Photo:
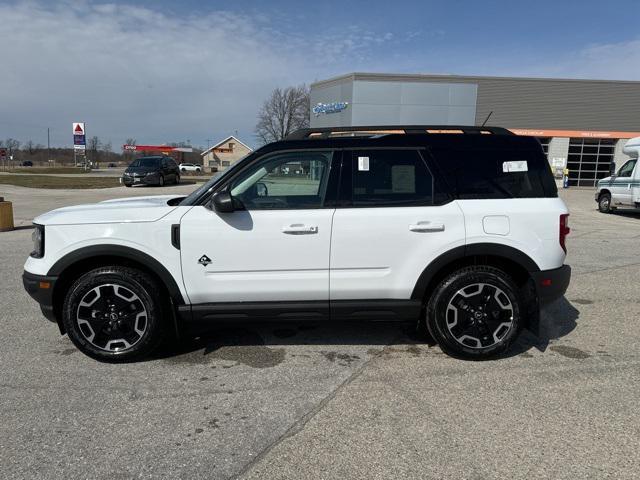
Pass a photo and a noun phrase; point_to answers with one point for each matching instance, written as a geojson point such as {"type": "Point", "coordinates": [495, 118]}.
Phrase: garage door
{"type": "Point", "coordinates": [589, 160]}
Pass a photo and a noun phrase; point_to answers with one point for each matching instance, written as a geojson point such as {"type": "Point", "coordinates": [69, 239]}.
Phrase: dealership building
{"type": "Point", "coordinates": [582, 124]}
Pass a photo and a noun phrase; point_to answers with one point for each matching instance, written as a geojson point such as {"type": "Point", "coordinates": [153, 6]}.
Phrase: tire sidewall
{"type": "Point", "coordinates": [602, 208]}
{"type": "Point", "coordinates": [132, 280]}
{"type": "Point", "coordinates": [436, 311]}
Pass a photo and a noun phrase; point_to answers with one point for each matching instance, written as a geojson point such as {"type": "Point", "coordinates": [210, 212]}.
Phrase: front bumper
{"type": "Point", "coordinates": [552, 284]}
{"type": "Point", "coordinates": [40, 287]}
{"type": "Point", "coordinates": [146, 180]}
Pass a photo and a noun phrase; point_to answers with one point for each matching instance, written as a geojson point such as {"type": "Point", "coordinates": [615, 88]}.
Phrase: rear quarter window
{"type": "Point", "coordinates": [495, 173]}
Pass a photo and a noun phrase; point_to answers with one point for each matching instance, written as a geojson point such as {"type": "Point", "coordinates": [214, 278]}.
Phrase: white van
{"type": "Point", "coordinates": [622, 189]}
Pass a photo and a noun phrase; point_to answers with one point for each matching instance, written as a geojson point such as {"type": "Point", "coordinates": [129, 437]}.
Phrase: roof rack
{"type": "Point", "coordinates": [377, 130]}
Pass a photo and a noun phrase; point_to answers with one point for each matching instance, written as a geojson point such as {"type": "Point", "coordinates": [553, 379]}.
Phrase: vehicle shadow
{"type": "Point", "coordinates": [557, 320]}
{"type": "Point", "coordinates": [216, 342]}
{"type": "Point", "coordinates": [242, 342]}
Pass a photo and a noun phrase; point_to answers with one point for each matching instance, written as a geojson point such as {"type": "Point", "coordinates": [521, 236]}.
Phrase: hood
{"type": "Point", "coordinates": [123, 210]}
{"type": "Point", "coordinates": [602, 181]}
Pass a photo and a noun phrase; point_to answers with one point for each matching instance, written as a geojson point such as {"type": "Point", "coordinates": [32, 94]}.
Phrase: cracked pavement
{"type": "Point", "coordinates": [299, 400]}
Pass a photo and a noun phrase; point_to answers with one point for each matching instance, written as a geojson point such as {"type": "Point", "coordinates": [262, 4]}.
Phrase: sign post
{"type": "Point", "coordinates": [79, 143]}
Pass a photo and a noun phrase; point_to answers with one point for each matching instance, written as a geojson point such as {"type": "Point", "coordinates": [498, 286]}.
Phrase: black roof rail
{"type": "Point", "coordinates": [327, 132]}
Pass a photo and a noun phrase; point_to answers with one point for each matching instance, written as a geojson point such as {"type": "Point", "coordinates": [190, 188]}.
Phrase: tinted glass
{"type": "Point", "coordinates": [390, 178]}
{"type": "Point", "coordinates": [495, 173]}
{"type": "Point", "coordinates": [146, 162]}
{"type": "Point", "coordinates": [627, 169]}
{"type": "Point", "coordinates": [285, 181]}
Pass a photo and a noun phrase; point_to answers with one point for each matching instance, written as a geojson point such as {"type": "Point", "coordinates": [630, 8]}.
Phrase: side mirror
{"type": "Point", "coordinates": [222, 202]}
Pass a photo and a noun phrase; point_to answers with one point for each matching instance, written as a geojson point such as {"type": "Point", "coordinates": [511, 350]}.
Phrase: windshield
{"type": "Point", "coordinates": [145, 162]}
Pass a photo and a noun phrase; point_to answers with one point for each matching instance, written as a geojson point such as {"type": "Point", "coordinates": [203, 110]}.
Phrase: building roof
{"type": "Point", "coordinates": [230, 137]}
{"type": "Point", "coordinates": [422, 77]}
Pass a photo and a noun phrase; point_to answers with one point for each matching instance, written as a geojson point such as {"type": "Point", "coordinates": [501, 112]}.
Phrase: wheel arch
{"type": "Point", "coordinates": [515, 262]}
{"type": "Point", "coordinates": [67, 269]}
{"type": "Point", "coordinates": [603, 191]}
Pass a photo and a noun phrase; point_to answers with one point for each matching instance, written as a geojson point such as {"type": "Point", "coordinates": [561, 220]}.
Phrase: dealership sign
{"type": "Point", "coordinates": [333, 107]}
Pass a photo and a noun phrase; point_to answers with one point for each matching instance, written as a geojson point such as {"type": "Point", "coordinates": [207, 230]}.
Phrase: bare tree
{"type": "Point", "coordinates": [29, 146]}
{"type": "Point", "coordinates": [93, 145]}
{"type": "Point", "coordinates": [282, 113]}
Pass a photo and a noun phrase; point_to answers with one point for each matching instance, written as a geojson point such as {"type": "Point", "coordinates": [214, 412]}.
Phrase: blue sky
{"type": "Point", "coordinates": [163, 71]}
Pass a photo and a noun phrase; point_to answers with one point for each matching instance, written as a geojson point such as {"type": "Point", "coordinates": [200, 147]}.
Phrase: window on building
{"type": "Point", "coordinates": [231, 146]}
{"type": "Point", "coordinates": [226, 163]}
{"type": "Point", "coordinates": [545, 141]}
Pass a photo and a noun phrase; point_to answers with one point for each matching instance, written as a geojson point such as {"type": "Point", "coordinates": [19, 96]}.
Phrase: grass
{"type": "Point", "coordinates": [43, 181]}
{"type": "Point", "coordinates": [38, 170]}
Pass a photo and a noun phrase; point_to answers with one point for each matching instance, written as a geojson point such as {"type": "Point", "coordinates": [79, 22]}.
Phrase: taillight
{"type": "Point", "coordinates": [564, 230]}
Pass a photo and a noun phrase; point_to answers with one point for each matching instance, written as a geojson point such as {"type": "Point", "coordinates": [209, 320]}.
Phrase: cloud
{"type": "Point", "coordinates": [129, 71]}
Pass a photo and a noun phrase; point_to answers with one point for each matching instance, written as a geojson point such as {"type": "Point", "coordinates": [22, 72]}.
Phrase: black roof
{"type": "Point", "coordinates": [377, 130]}
{"type": "Point", "coordinates": [403, 136]}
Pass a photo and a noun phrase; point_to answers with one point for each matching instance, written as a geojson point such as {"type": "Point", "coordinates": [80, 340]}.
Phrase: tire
{"type": "Point", "coordinates": [198, 170]}
{"type": "Point", "coordinates": [474, 313]}
{"type": "Point", "coordinates": [177, 180]}
{"type": "Point", "coordinates": [128, 186]}
{"type": "Point", "coordinates": [161, 181]}
{"type": "Point", "coordinates": [604, 203]}
{"type": "Point", "coordinates": [183, 170]}
{"type": "Point", "coordinates": [96, 317]}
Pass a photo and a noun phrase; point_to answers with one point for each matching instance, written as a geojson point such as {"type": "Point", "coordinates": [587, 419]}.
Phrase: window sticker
{"type": "Point", "coordinates": [516, 166]}
{"type": "Point", "coordinates": [403, 179]}
{"type": "Point", "coordinates": [363, 164]}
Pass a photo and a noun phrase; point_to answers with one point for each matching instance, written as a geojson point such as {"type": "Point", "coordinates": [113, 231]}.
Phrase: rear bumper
{"type": "Point", "coordinates": [40, 287]}
{"type": "Point", "coordinates": [552, 284]}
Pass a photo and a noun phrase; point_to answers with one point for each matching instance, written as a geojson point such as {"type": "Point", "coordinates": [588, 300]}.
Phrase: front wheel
{"type": "Point", "coordinates": [604, 203]}
{"type": "Point", "coordinates": [114, 314]}
{"type": "Point", "coordinates": [475, 312]}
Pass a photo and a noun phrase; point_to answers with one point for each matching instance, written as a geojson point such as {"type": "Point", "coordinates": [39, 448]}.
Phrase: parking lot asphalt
{"type": "Point", "coordinates": [302, 401]}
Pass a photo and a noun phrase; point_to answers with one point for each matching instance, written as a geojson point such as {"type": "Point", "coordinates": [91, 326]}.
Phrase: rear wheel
{"type": "Point", "coordinates": [114, 314]}
{"type": "Point", "coordinates": [475, 312]}
{"type": "Point", "coordinates": [177, 181]}
{"type": "Point", "coordinates": [161, 181]}
{"type": "Point", "coordinates": [604, 203]}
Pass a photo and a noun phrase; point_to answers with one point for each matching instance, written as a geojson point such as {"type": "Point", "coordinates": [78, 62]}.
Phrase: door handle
{"type": "Point", "coordinates": [299, 229]}
{"type": "Point", "coordinates": [426, 227]}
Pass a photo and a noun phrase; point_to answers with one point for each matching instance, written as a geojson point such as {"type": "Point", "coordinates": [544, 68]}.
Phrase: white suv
{"type": "Point", "coordinates": [190, 167]}
{"type": "Point", "coordinates": [456, 228]}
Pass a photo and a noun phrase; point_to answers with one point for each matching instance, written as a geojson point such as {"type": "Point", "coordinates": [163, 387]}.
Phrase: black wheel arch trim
{"type": "Point", "coordinates": [124, 252]}
{"type": "Point", "coordinates": [471, 250]}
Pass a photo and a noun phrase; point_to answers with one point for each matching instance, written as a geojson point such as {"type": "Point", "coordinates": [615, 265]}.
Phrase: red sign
{"type": "Point", "coordinates": [3, 153]}
{"type": "Point", "coordinates": [157, 148]}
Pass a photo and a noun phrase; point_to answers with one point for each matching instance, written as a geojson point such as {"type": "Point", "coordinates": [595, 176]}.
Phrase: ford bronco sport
{"type": "Point", "coordinates": [459, 229]}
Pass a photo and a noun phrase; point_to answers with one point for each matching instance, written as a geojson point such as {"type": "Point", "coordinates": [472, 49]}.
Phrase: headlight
{"type": "Point", "coordinates": [38, 241]}
{"type": "Point", "coordinates": [127, 174]}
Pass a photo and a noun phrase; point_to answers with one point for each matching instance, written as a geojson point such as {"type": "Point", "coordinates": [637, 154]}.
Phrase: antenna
{"type": "Point", "coordinates": [485, 120]}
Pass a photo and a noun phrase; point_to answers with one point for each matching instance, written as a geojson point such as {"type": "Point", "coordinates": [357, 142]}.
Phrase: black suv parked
{"type": "Point", "coordinates": [151, 171]}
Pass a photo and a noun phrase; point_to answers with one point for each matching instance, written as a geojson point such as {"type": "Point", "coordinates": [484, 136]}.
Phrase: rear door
{"type": "Point", "coordinates": [388, 228]}
{"type": "Point", "coordinates": [276, 247]}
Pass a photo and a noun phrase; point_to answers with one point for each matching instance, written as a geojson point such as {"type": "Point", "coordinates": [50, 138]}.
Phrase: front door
{"type": "Point", "coordinates": [391, 229]}
{"type": "Point", "coordinates": [275, 246]}
{"type": "Point", "coordinates": [622, 184]}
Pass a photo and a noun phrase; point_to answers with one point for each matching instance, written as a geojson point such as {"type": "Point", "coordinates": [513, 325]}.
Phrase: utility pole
{"type": "Point", "coordinates": [48, 147]}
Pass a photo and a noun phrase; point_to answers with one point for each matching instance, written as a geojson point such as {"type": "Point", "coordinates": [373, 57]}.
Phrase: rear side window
{"type": "Point", "coordinates": [390, 178]}
{"type": "Point", "coordinates": [495, 173]}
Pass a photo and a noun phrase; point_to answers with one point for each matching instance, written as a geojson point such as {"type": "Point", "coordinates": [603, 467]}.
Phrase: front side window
{"type": "Point", "coordinates": [390, 178]}
{"type": "Point", "coordinates": [627, 169]}
{"type": "Point", "coordinates": [284, 181]}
